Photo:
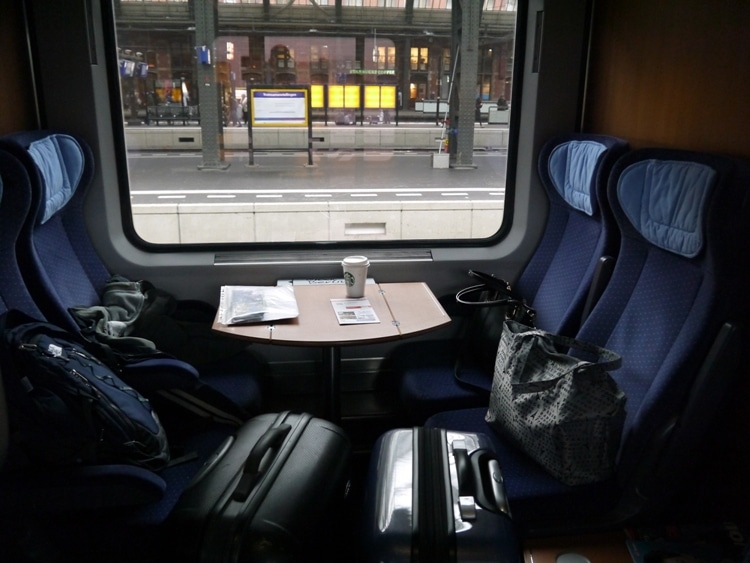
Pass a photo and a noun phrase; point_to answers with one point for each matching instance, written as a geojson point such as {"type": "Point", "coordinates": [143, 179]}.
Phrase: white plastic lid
{"type": "Point", "coordinates": [355, 261]}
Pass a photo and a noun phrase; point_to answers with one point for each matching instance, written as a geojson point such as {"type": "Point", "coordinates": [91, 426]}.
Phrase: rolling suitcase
{"type": "Point", "coordinates": [437, 496]}
{"type": "Point", "coordinates": [273, 493]}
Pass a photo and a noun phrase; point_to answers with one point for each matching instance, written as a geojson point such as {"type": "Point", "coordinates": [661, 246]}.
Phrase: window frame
{"type": "Point", "coordinates": [134, 238]}
{"type": "Point", "coordinates": [79, 98]}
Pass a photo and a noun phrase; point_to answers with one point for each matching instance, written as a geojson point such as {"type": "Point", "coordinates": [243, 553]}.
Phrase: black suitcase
{"type": "Point", "coordinates": [437, 496]}
{"type": "Point", "coordinates": [273, 493]}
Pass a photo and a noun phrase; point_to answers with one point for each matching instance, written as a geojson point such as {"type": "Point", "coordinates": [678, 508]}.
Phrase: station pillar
{"type": "Point", "coordinates": [209, 103]}
{"type": "Point", "coordinates": [466, 30]}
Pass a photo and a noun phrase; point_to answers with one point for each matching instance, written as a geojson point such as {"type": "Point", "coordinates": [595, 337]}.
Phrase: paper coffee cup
{"type": "Point", "coordinates": [355, 275]}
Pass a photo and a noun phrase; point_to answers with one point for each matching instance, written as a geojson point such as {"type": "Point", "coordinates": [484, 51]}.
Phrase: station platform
{"type": "Point", "coordinates": [346, 195]}
{"type": "Point", "coordinates": [404, 136]}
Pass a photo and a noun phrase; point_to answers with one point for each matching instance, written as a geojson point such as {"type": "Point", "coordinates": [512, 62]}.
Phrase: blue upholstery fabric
{"type": "Point", "coordinates": [127, 524]}
{"type": "Point", "coordinates": [571, 167]}
{"type": "Point", "coordinates": [115, 530]}
{"type": "Point", "coordinates": [557, 279]}
{"type": "Point", "coordinates": [87, 509]}
{"type": "Point", "coordinates": [29, 490]}
{"type": "Point", "coordinates": [57, 255]}
{"type": "Point", "coordinates": [24, 488]}
{"type": "Point", "coordinates": [59, 262]}
{"type": "Point", "coordinates": [60, 162]}
{"type": "Point", "coordinates": [14, 207]}
{"type": "Point", "coordinates": [670, 218]}
{"type": "Point", "coordinates": [661, 311]}
{"type": "Point", "coordinates": [534, 495]}
{"type": "Point", "coordinates": [580, 229]}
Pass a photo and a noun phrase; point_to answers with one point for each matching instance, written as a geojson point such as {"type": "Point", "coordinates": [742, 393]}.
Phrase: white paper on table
{"type": "Point", "coordinates": [354, 311]}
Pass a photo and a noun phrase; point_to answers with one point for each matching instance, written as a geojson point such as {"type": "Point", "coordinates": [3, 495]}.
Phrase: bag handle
{"type": "Point", "coordinates": [612, 360]}
{"type": "Point", "coordinates": [499, 289]}
{"type": "Point", "coordinates": [500, 295]}
{"type": "Point", "coordinates": [272, 439]}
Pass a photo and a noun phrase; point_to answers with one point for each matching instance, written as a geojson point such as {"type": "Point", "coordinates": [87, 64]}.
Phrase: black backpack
{"type": "Point", "coordinates": [66, 407]}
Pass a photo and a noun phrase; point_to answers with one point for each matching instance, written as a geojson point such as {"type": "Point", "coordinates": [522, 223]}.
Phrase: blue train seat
{"type": "Point", "coordinates": [672, 309]}
{"type": "Point", "coordinates": [54, 511]}
{"type": "Point", "coordinates": [62, 269]}
{"type": "Point", "coordinates": [579, 231]}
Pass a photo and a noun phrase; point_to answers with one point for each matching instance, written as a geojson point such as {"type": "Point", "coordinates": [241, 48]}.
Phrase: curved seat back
{"type": "Point", "coordinates": [557, 281]}
{"type": "Point", "coordinates": [670, 310]}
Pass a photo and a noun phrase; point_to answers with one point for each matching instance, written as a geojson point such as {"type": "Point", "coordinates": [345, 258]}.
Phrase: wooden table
{"type": "Point", "coordinates": [404, 310]}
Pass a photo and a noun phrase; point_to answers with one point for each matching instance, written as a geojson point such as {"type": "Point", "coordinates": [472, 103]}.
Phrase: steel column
{"type": "Point", "coordinates": [470, 13]}
{"type": "Point", "coordinates": [212, 127]}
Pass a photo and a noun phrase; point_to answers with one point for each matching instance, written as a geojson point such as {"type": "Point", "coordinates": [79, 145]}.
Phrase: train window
{"type": "Point", "coordinates": [265, 123]}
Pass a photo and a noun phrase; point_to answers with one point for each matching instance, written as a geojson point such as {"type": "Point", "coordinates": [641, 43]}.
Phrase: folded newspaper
{"type": "Point", "coordinates": [241, 304]}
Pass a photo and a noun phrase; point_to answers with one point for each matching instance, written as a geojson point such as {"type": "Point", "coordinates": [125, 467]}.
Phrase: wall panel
{"type": "Point", "coordinates": [673, 73]}
{"type": "Point", "coordinates": [17, 107]}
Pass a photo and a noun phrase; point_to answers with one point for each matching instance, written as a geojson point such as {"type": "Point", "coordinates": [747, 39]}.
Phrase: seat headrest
{"type": "Point", "coordinates": [60, 160]}
{"type": "Point", "coordinates": [666, 201]}
{"type": "Point", "coordinates": [572, 169]}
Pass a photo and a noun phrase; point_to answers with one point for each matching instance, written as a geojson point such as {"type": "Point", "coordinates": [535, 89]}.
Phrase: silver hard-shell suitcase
{"type": "Point", "coordinates": [437, 496]}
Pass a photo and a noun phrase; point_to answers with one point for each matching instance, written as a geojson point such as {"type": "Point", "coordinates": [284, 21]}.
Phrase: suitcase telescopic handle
{"type": "Point", "coordinates": [498, 488]}
{"type": "Point", "coordinates": [479, 477]}
{"type": "Point", "coordinates": [251, 470]}
{"type": "Point", "coordinates": [463, 469]}
{"type": "Point", "coordinates": [490, 490]}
